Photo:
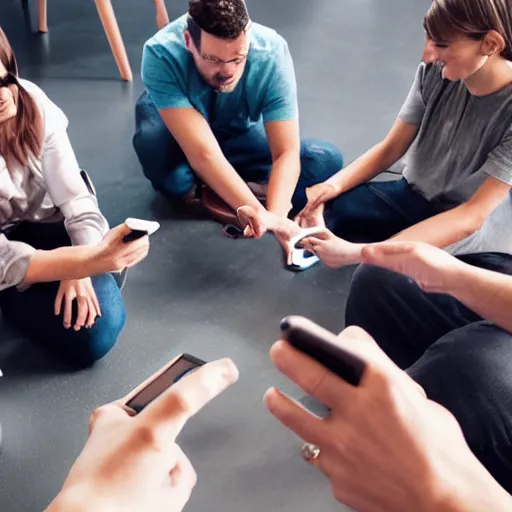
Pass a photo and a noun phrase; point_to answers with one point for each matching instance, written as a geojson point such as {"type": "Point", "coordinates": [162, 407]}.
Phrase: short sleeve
{"type": "Point", "coordinates": [499, 161]}
{"type": "Point", "coordinates": [413, 109]}
{"type": "Point", "coordinates": [280, 102]}
{"type": "Point", "coordinates": [161, 81]}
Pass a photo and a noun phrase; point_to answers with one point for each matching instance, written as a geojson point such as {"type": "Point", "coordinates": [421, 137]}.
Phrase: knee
{"type": "Point", "coordinates": [90, 345]}
{"type": "Point", "coordinates": [368, 292]}
{"type": "Point", "coordinates": [179, 181]}
{"type": "Point", "coordinates": [468, 372]}
{"type": "Point", "coordinates": [322, 157]}
{"type": "Point", "coordinates": [151, 136]}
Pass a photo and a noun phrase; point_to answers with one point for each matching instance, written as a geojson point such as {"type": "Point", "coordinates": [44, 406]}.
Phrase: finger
{"type": "Point", "coordinates": [183, 480]}
{"type": "Point", "coordinates": [57, 306]}
{"type": "Point", "coordinates": [183, 474]}
{"type": "Point", "coordinates": [95, 301]}
{"type": "Point", "coordinates": [106, 414]}
{"type": "Point", "coordinates": [83, 311]}
{"type": "Point", "coordinates": [309, 375]}
{"type": "Point", "coordinates": [68, 308]}
{"type": "Point", "coordinates": [361, 343]}
{"type": "Point", "coordinates": [135, 258]}
{"type": "Point", "coordinates": [294, 417]}
{"type": "Point", "coordinates": [93, 313]}
{"type": "Point", "coordinates": [173, 408]}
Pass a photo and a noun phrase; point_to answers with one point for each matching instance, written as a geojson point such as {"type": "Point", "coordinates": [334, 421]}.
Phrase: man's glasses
{"type": "Point", "coordinates": [8, 79]}
{"type": "Point", "coordinates": [217, 62]}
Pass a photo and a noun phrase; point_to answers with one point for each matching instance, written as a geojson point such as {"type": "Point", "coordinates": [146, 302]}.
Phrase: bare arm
{"type": "Point", "coordinates": [489, 294]}
{"type": "Point", "coordinates": [284, 141]}
{"type": "Point", "coordinates": [454, 225]}
{"type": "Point", "coordinates": [205, 156]}
{"type": "Point", "coordinates": [376, 160]}
{"type": "Point", "coordinates": [61, 264]}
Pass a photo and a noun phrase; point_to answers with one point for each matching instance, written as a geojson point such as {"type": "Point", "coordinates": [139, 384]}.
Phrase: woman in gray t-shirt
{"type": "Point", "coordinates": [455, 131]}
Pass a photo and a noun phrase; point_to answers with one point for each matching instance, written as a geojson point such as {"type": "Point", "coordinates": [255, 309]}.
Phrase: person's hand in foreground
{"type": "Point", "coordinates": [384, 446]}
{"type": "Point", "coordinates": [132, 463]}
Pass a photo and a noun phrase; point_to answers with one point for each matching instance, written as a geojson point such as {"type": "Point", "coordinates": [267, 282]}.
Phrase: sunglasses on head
{"type": "Point", "coordinates": [8, 79]}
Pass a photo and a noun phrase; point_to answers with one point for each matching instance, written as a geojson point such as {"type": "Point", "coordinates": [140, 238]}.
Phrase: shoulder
{"type": "Point", "coordinates": [267, 46]}
{"type": "Point", "coordinates": [169, 42]}
{"type": "Point", "coordinates": [53, 117]}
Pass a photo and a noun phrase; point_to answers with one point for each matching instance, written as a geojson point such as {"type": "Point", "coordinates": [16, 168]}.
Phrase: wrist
{"type": "Point", "coordinates": [456, 279]}
{"type": "Point", "coordinates": [356, 254]}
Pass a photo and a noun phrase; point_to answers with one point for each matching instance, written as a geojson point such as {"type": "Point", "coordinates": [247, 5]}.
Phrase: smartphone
{"type": "Point", "coordinates": [295, 241]}
{"type": "Point", "coordinates": [139, 228]}
{"type": "Point", "coordinates": [160, 381]}
{"type": "Point", "coordinates": [321, 345]}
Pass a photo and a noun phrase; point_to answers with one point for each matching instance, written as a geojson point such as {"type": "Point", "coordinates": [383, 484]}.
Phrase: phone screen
{"type": "Point", "coordinates": [183, 366]}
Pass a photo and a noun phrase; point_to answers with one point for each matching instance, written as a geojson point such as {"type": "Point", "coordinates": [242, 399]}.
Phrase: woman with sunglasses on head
{"type": "Point", "coordinates": [46, 205]}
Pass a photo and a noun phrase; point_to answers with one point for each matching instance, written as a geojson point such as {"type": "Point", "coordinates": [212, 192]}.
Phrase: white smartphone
{"type": "Point", "coordinates": [302, 259]}
{"type": "Point", "coordinates": [140, 228]}
{"type": "Point", "coordinates": [294, 241]}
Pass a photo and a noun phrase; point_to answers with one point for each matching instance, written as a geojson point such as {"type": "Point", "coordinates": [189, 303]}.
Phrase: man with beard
{"type": "Point", "coordinates": [220, 108]}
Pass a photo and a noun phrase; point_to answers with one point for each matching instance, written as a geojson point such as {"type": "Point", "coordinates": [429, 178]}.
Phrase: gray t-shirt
{"type": "Point", "coordinates": [462, 140]}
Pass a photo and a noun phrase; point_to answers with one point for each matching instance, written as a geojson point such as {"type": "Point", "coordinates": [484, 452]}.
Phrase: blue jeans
{"type": "Point", "coordinates": [375, 211]}
{"type": "Point", "coordinates": [461, 360]}
{"type": "Point", "coordinates": [164, 164]}
{"type": "Point", "coordinates": [32, 313]}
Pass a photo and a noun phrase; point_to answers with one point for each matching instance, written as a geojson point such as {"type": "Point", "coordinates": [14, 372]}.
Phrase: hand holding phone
{"type": "Point", "coordinates": [322, 346]}
{"type": "Point", "coordinates": [161, 380]}
{"type": "Point", "coordinates": [140, 228]}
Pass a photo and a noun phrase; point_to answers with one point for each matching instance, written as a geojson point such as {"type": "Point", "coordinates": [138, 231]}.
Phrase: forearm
{"type": "Point", "coordinates": [62, 264]}
{"type": "Point", "coordinates": [366, 167]}
{"type": "Point", "coordinates": [443, 229]}
{"type": "Point", "coordinates": [487, 293]}
{"type": "Point", "coordinates": [223, 179]}
{"type": "Point", "coordinates": [283, 181]}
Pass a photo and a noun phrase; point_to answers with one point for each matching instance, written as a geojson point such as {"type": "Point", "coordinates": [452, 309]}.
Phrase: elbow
{"type": "Point", "coordinates": [203, 159]}
{"type": "Point", "coordinates": [472, 221]}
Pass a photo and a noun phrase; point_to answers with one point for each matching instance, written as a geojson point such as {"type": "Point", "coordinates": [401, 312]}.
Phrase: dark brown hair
{"type": "Point", "coordinates": [226, 19]}
{"type": "Point", "coordinates": [22, 136]}
{"type": "Point", "coordinates": [471, 18]}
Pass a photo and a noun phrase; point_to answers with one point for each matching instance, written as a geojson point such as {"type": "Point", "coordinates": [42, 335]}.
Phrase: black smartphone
{"type": "Point", "coordinates": [321, 345]}
{"type": "Point", "coordinates": [160, 381]}
{"type": "Point", "coordinates": [134, 235]}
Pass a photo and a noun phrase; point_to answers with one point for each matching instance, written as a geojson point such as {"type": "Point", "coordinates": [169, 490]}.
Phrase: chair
{"type": "Point", "coordinates": [109, 22]}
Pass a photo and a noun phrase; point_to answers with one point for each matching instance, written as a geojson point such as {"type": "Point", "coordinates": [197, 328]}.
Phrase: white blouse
{"type": "Point", "coordinates": [49, 189]}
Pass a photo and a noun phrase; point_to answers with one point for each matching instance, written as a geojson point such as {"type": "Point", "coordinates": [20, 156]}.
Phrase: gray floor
{"type": "Point", "coordinates": [197, 291]}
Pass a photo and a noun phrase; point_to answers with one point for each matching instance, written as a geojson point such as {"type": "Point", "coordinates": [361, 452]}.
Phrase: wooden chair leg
{"type": "Point", "coordinates": [108, 19]}
{"type": "Point", "coordinates": [42, 16]}
{"type": "Point", "coordinates": [162, 18]}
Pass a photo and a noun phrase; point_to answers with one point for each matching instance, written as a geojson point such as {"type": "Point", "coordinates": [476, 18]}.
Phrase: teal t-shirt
{"type": "Point", "coordinates": [267, 89]}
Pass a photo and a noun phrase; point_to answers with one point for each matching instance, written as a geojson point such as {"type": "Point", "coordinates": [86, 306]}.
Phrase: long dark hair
{"type": "Point", "coordinates": [22, 136]}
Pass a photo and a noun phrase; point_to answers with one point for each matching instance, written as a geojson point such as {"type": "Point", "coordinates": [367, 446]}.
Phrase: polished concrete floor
{"type": "Point", "coordinates": [197, 291]}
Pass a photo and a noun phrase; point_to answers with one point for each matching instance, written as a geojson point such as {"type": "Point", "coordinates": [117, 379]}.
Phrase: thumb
{"type": "Point", "coordinates": [117, 233]}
